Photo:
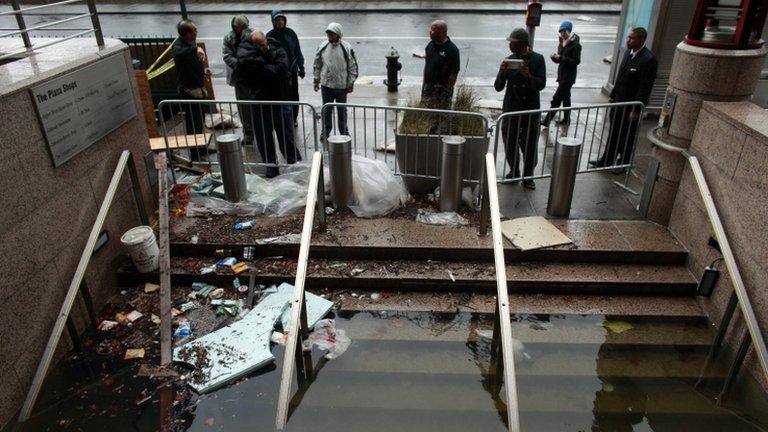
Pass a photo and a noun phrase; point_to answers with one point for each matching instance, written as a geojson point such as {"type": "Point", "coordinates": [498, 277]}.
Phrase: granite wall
{"type": "Point", "coordinates": [48, 213]}
{"type": "Point", "coordinates": [731, 143]}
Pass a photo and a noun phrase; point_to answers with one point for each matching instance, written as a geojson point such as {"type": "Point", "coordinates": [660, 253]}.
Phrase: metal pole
{"type": "Point", "coordinates": [340, 169]}
{"type": "Point", "coordinates": [95, 22]}
{"type": "Point", "coordinates": [166, 349]}
{"type": "Point", "coordinates": [714, 351]}
{"type": "Point", "coordinates": [733, 372]}
{"type": "Point", "coordinates": [231, 165]}
{"type": "Point", "coordinates": [136, 188]}
{"type": "Point", "coordinates": [21, 24]}
{"type": "Point", "coordinates": [564, 168]}
{"type": "Point", "coordinates": [183, 7]}
{"type": "Point", "coordinates": [451, 173]}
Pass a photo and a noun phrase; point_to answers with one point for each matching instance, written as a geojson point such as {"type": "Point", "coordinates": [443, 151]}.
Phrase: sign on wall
{"type": "Point", "coordinates": [78, 109]}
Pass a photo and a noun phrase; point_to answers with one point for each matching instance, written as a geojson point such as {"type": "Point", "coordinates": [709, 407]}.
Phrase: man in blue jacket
{"type": "Point", "coordinates": [524, 75]}
{"type": "Point", "coordinates": [290, 43]}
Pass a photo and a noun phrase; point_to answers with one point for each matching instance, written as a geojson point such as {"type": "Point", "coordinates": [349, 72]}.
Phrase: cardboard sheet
{"type": "Point", "coordinates": [533, 232]}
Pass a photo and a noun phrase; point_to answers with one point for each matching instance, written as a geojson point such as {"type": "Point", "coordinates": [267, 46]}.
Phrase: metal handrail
{"type": "Point", "coordinates": [126, 160]}
{"type": "Point", "coordinates": [44, 25]}
{"type": "Point", "coordinates": [315, 202]}
{"type": "Point", "coordinates": [25, 10]}
{"type": "Point", "coordinates": [730, 260]}
{"type": "Point", "coordinates": [502, 296]}
{"type": "Point", "coordinates": [45, 45]}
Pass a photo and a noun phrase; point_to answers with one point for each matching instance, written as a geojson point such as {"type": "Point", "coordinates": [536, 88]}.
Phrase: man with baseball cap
{"type": "Point", "coordinates": [524, 75]}
{"type": "Point", "coordinates": [567, 57]}
{"type": "Point", "coordinates": [335, 71]}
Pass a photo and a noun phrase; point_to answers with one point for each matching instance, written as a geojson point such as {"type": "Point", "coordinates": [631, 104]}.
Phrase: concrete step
{"type": "Point", "coordinates": [370, 275]}
{"type": "Point", "coordinates": [637, 242]}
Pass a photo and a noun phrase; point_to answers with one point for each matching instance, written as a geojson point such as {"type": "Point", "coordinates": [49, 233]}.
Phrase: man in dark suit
{"type": "Point", "coordinates": [633, 83]}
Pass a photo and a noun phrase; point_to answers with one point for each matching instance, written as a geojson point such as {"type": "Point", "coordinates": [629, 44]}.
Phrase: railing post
{"type": "Point", "coordinates": [88, 300]}
{"type": "Point", "coordinates": [22, 25]}
{"type": "Point", "coordinates": [95, 22]}
{"type": "Point", "coordinates": [733, 372]}
{"type": "Point", "coordinates": [136, 188]}
{"type": "Point", "coordinates": [322, 225]}
{"type": "Point", "coordinates": [714, 350]}
{"type": "Point", "coordinates": [485, 209]}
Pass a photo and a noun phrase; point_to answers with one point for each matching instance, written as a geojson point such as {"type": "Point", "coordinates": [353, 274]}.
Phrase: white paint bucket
{"type": "Point", "coordinates": [141, 245]}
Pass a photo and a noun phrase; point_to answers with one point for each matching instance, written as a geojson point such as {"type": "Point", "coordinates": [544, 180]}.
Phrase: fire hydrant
{"type": "Point", "coordinates": [393, 67]}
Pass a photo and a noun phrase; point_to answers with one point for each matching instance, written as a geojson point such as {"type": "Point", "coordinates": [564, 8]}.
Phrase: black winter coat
{"type": "Point", "coordinates": [570, 57]}
{"type": "Point", "coordinates": [265, 74]}
{"type": "Point", "coordinates": [290, 43]}
{"type": "Point", "coordinates": [635, 78]}
{"type": "Point", "coordinates": [523, 92]}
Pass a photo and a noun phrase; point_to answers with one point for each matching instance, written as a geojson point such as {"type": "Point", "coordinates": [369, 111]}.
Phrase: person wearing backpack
{"type": "Point", "coordinates": [335, 72]}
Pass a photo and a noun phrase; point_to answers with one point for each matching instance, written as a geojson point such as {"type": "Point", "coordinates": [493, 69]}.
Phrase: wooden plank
{"type": "Point", "coordinates": [179, 142]}
{"type": "Point", "coordinates": [165, 261]}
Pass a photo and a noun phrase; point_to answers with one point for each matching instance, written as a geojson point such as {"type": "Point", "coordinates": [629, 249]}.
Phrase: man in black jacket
{"type": "Point", "coordinates": [567, 57]}
{"type": "Point", "coordinates": [634, 82]}
{"type": "Point", "coordinates": [190, 75]}
{"type": "Point", "coordinates": [523, 84]}
{"type": "Point", "coordinates": [262, 67]}
{"type": "Point", "coordinates": [290, 43]}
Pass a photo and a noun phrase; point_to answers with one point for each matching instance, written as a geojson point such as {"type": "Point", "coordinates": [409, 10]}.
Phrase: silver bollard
{"type": "Point", "coordinates": [340, 168]}
{"type": "Point", "coordinates": [451, 173]}
{"type": "Point", "coordinates": [564, 167]}
{"type": "Point", "coordinates": [231, 165]}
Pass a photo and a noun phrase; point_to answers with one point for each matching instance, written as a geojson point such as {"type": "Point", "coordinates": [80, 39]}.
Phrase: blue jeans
{"type": "Point", "coordinates": [334, 95]}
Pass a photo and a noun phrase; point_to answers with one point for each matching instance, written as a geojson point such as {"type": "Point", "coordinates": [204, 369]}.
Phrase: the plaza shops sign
{"type": "Point", "coordinates": [80, 108]}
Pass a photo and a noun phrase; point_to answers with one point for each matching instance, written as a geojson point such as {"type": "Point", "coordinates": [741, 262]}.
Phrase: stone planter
{"type": "Point", "coordinates": [422, 155]}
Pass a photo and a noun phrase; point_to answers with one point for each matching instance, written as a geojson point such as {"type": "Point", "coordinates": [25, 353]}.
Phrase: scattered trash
{"type": "Point", "coordinates": [186, 307]}
{"type": "Point", "coordinates": [220, 120]}
{"type": "Point", "coordinates": [388, 147]}
{"type": "Point", "coordinates": [616, 326]}
{"type": "Point", "coordinates": [278, 338]}
{"type": "Point", "coordinates": [608, 59]}
{"type": "Point", "coordinates": [194, 239]}
{"type": "Point", "coordinates": [354, 294]}
{"type": "Point", "coordinates": [244, 225]}
{"type": "Point", "coordinates": [155, 319]}
{"type": "Point", "coordinates": [450, 275]}
{"type": "Point", "coordinates": [607, 387]}
{"type": "Point", "coordinates": [356, 271]}
{"type": "Point", "coordinates": [134, 353]}
{"type": "Point", "coordinates": [150, 287]}
{"type": "Point", "coordinates": [430, 217]}
{"type": "Point", "coordinates": [209, 421]}
{"type": "Point", "coordinates": [326, 336]}
{"type": "Point", "coordinates": [227, 302]}
{"type": "Point", "coordinates": [216, 294]}
{"type": "Point", "coordinates": [419, 54]}
{"type": "Point", "coordinates": [329, 211]}
{"type": "Point", "coordinates": [183, 330]}
{"type": "Point", "coordinates": [249, 252]}
{"type": "Point", "coordinates": [287, 239]}
{"type": "Point", "coordinates": [223, 253]}
{"type": "Point", "coordinates": [375, 296]}
{"type": "Point", "coordinates": [533, 232]}
{"type": "Point", "coordinates": [148, 370]}
{"type": "Point", "coordinates": [585, 18]}
{"type": "Point", "coordinates": [208, 269]}
{"type": "Point", "coordinates": [238, 268]}
{"type": "Point", "coordinates": [107, 325]}
{"type": "Point", "coordinates": [225, 263]}
{"type": "Point", "coordinates": [133, 316]}
{"type": "Point", "coordinates": [376, 191]}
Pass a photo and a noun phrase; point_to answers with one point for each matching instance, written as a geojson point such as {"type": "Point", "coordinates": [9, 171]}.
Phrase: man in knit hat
{"type": "Point", "coordinates": [567, 57]}
{"type": "Point", "coordinates": [524, 75]}
{"type": "Point", "coordinates": [290, 43]}
{"type": "Point", "coordinates": [335, 71]}
{"type": "Point", "coordinates": [240, 32]}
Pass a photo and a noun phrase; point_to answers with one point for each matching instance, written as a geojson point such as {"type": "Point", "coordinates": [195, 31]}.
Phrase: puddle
{"type": "Point", "coordinates": [431, 372]}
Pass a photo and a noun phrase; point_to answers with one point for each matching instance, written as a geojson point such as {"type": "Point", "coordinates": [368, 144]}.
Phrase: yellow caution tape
{"type": "Point", "coordinates": [163, 69]}
{"type": "Point", "coordinates": [163, 54]}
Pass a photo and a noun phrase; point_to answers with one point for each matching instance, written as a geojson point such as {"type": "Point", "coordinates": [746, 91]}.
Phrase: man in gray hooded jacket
{"type": "Point", "coordinates": [335, 71]}
{"type": "Point", "coordinates": [240, 32]}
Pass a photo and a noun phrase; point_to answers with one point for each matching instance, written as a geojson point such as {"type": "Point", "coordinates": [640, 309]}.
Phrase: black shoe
{"type": "Point", "coordinates": [563, 122]}
{"type": "Point", "coordinates": [512, 176]}
{"type": "Point", "coordinates": [529, 184]}
{"type": "Point", "coordinates": [545, 122]}
{"type": "Point", "coordinates": [596, 163]}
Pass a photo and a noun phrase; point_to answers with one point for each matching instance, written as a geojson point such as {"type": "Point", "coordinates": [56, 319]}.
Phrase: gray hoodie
{"type": "Point", "coordinates": [335, 63]}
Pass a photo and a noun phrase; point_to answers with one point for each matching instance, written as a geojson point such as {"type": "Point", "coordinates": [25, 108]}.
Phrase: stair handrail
{"type": "Point", "coordinates": [126, 160]}
{"type": "Point", "coordinates": [502, 295]}
{"type": "Point", "coordinates": [725, 247]}
{"type": "Point", "coordinates": [315, 201]}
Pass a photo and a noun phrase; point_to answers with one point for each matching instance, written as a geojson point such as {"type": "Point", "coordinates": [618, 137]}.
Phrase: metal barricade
{"type": "Point", "coordinates": [608, 135]}
{"type": "Point", "coordinates": [409, 140]}
{"type": "Point", "coordinates": [271, 138]}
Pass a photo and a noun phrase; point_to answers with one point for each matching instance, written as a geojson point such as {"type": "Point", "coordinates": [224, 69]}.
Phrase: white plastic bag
{"type": "Point", "coordinates": [430, 217]}
{"type": "Point", "coordinates": [376, 191]}
{"type": "Point", "coordinates": [326, 336]}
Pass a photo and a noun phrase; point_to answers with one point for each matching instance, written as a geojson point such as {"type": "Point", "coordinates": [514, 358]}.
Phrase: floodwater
{"type": "Point", "coordinates": [432, 372]}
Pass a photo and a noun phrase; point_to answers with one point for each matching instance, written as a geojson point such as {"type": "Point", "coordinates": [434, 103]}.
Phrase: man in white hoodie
{"type": "Point", "coordinates": [335, 71]}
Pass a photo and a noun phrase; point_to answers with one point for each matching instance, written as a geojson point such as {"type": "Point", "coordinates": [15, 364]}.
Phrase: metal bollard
{"type": "Point", "coordinates": [231, 165]}
{"type": "Point", "coordinates": [340, 167]}
{"type": "Point", "coordinates": [564, 167]}
{"type": "Point", "coordinates": [451, 173]}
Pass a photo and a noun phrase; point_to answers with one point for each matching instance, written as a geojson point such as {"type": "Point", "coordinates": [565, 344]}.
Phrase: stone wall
{"type": "Point", "coordinates": [731, 143]}
{"type": "Point", "coordinates": [48, 213]}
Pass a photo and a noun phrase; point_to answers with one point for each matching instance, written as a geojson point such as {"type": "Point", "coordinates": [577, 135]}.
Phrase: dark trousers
{"type": "Point", "coordinates": [521, 139]}
{"type": "Point", "coordinates": [334, 95]}
{"type": "Point", "coordinates": [277, 118]}
{"type": "Point", "coordinates": [293, 94]}
{"type": "Point", "coordinates": [246, 112]}
{"type": "Point", "coordinates": [621, 137]}
{"type": "Point", "coordinates": [195, 112]}
{"type": "Point", "coordinates": [562, 96]}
